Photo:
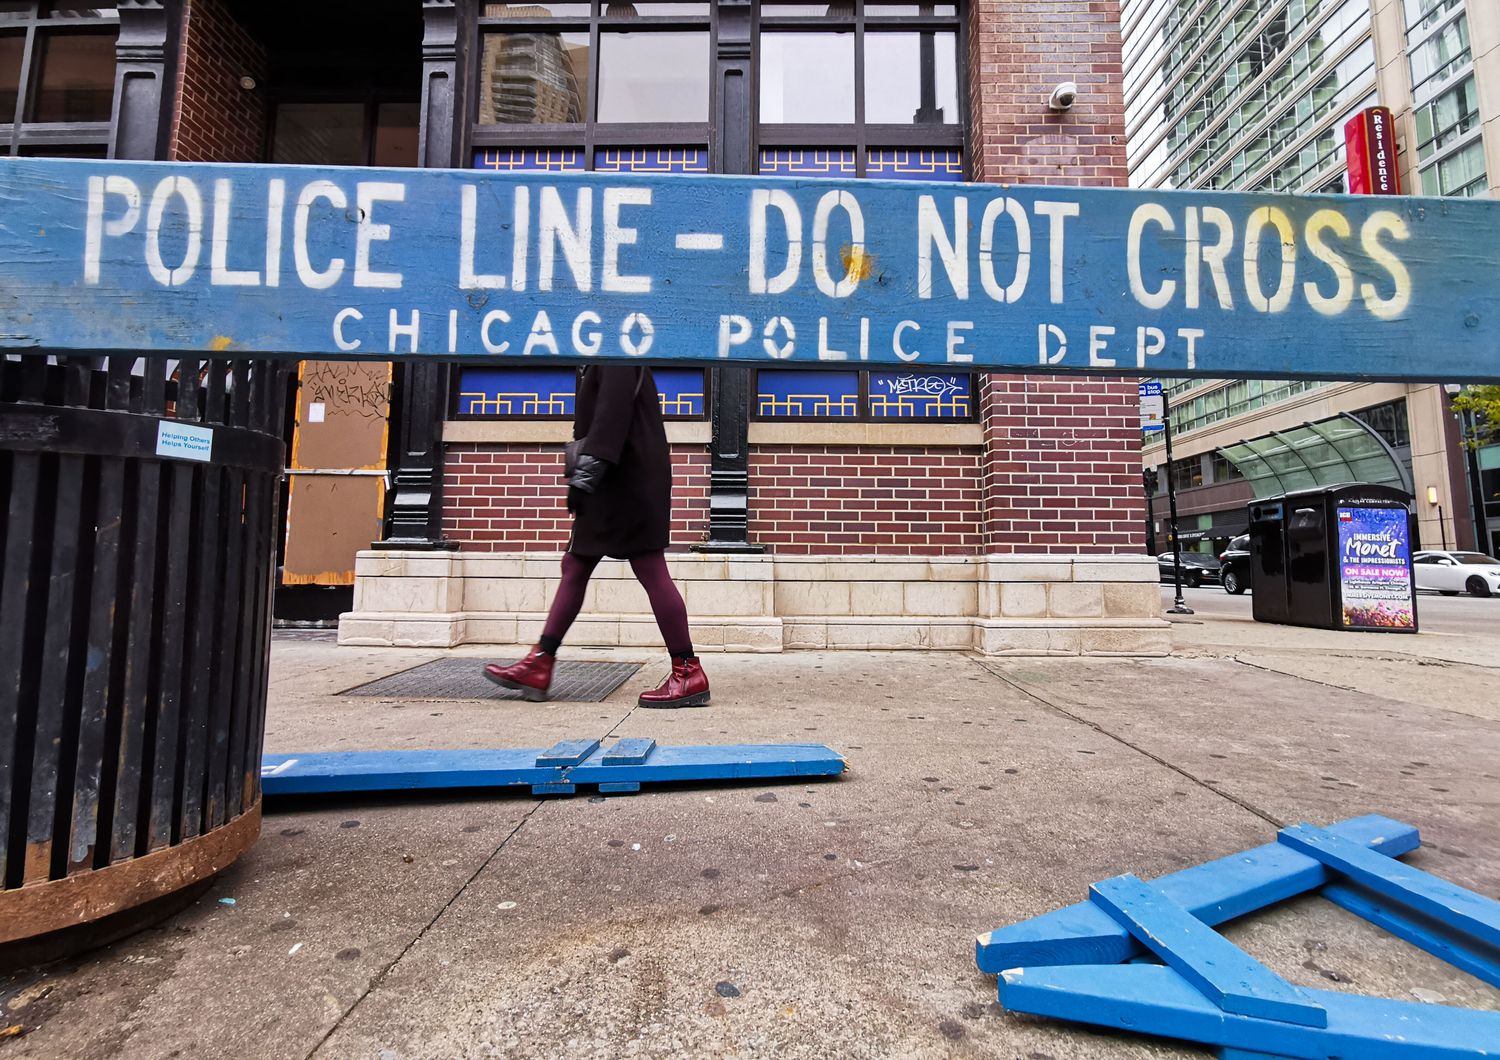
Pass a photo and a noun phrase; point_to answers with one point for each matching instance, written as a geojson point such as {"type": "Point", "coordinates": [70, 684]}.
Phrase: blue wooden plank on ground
{"type": "Point", "coordinates": [166, 259]}
{"type": "Point", "coordinates": [1456, 947]}
{"type": "Point", "coordinates": [348, 771]}
{"type": "Point", "coordinates": [329, 772]}
{"type": "Point", "coordinates": [553, 788]}
{"type": "Point", "coordinates": [1214, 892]}
{"type": "Point", "coordinates": [716, 762]}
{"type": "Point", "coordinates": [629, 752]}
{"type": "Point", "coordinates": [1447, 903]}
{"type": "Point", "coordinates": [1217, 967]}
{"type": "Point", "coordinates": [1152, 999]}
{"type": "Point", "coordinates": [567, 753]}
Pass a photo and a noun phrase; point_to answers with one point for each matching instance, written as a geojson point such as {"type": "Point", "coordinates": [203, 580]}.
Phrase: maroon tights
{"type": "Point", "coordinates": [650, 570]}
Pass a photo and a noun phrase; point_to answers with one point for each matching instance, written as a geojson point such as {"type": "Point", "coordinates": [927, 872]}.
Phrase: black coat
{"type": "Point", "coordinates": [618, 414]}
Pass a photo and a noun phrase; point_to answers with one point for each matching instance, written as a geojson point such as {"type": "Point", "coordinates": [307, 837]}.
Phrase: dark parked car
{"type": "Point", "coordinates": [1197, 568]}
{"type": "Point", "coordinates": [1234, 565]}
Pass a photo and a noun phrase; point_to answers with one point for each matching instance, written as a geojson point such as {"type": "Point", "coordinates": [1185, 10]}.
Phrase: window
{"type": "Point", "coordinates": [57, 77]}
{"type": "Point", "coordinates": [1234, 399]}
{"type": "Point", "coordinates": [1187, 473]}
{"type": "Point", "coordinates": [534, 79]}
{"type": "Point", "coordinates": [653, 77]}
{"type": "Point", "coordinates": [593, 75]}
{"type": "Point", "coordinates": [368, 133]}
{"type": "Point", "coordinates": [547, 393]}
{"type": "Point", "coordinates": [1388, 421]}
{"type": "Point", "coordinates": [916, 80]}
{"type": "Point", "coordinates": [1223, 470]}
{"type": "Point", "coordinates": [876, 396]}
{"type": "Point", "coordinates": [1424, 14]}
{"type": "Point", "coordinates": [1447, 118]}
{"type": "Point", "coordinates": [1449, 150]}
{"type": "Point", "coordinates": [807, 78]}
{"type": "Point", "coordinates": [1461, 173]}
{"type": "Point", "coordinates": [1440, 55]}
{"type": "Point", "coordinates": [861, 88]}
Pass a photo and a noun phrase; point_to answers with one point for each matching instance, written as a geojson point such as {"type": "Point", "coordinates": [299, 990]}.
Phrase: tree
{"type": "Point", "coordinates": [1484, 403]}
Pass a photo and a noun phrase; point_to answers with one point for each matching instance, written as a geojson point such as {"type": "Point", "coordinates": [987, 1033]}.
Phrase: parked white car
{"type": "Point", "coordinates": [1451, 573]}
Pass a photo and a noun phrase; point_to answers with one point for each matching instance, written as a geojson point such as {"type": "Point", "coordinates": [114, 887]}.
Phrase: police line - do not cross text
{"type": "Point", "coordinates": [297, 261]}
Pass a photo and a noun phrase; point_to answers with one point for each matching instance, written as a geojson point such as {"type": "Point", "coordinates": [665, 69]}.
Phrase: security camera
{"type": "Point", "coordinates": [1063, 96]}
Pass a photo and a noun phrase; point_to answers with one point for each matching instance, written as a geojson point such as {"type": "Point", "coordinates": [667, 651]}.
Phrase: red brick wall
{"type": "Point", "coordinates": [1020, 51]}
{"type": "Point", "coordinates": [1062, 467]}
{"type": "Point", "coordinates": [870, 500]}
{"type": "Point", "coordinates": [1062, 453]}
{"type": "Point", "coordinates": [216, 120]}
{"type": "Point", "coordinates": [510, 497]}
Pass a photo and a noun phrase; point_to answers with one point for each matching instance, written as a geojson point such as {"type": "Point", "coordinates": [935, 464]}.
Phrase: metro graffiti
{"type": "Point", "coordinates": [172, 259]}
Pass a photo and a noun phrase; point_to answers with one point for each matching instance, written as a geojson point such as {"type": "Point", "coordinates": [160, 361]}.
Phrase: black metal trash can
{"type": "Point", "coordinates": [136, 557]}
{"type": "Point", "coordinates": [1337, 557]}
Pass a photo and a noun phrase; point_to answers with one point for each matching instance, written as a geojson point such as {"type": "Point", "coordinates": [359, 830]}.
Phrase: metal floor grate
{"type": "Point", "coordinates": [463, 678]}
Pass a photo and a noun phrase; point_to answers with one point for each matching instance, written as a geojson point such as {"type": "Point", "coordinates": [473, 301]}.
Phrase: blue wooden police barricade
{"type": "Point", "coordinates": [619, 768]}
{"type": "Point", "coordinates": [152, 299]}
{"type": "Point", "coordinates": [168, 259]}
{"type": "Point", "coordinates": [1087, 962]}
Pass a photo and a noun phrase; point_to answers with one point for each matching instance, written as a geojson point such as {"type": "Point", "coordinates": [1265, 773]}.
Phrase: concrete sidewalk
{"type": "Point", "coordinates": [795, 919]}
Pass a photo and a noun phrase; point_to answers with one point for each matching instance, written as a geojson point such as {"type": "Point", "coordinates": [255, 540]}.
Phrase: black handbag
{"type": "Point", "coordinates": [572, 450]}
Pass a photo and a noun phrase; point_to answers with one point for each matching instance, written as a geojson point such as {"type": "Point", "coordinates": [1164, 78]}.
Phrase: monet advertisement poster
{"type": "Point", "coordinates": [1375, 568]}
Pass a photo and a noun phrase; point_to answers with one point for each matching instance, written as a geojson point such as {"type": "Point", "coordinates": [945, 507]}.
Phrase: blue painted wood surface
{"type": "Point", "coordinates": [629, 752]}
{"type": "Point", "coordinates": [555, 787]}
{"type": "Point", "coordinates": [1214, 892]}
{"type": "Point", "coordinates": [567, 752]}
{"type": "Point", "coordinates": [716, 762]}
{"type": "Point", "coordinates": [174, 258]}
{"type": "Point", "coordinates": [1456, 947]}
{"type": "Point", "coordinates": [1216, 967]}
{"type": "Point", "coordinates": [330, 772]}
{"type": "Point", "coordinates": [1152, 999]}
{"type": "Point", "coordinates": [1447, 903]}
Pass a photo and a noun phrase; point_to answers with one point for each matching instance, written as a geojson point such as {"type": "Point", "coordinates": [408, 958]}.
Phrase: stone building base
{"type": "Point", "coordinates": [998, 605]}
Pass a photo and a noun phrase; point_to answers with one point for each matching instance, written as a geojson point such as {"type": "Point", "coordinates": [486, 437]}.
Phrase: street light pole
{"type": "Point", "coordinates": [1178, 606]}
{"type": "Point", "coordinates": [1473, 474]}
{"type": "Point", "coordinates": [1468, 433]}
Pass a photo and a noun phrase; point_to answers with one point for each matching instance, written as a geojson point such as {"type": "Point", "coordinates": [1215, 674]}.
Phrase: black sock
{"type": "Point", "coordinates": [549, 645]}
{"type": "Point", "coordinates": [684, 656]}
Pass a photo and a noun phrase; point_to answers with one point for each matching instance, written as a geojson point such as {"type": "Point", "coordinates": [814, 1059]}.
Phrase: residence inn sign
{"type": "Point", "coordinates": [192, 259]}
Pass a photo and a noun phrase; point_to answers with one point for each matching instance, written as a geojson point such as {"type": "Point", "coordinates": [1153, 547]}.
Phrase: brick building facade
{"type": "Point", "coordinates": [1007, 520]}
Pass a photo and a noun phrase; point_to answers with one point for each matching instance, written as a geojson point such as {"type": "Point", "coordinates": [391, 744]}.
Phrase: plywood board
{"type": "Point", "coordinates": [343, 411]}
{"type": "Point", "coordinates": [329, 519]}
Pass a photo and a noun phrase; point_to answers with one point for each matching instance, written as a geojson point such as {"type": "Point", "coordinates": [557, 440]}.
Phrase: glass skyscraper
{"type": "Point", "coordinates": [1253, 95]}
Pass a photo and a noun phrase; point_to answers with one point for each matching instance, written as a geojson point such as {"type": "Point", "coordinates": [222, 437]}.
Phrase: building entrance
{"type": "Point", "coordinates": [354, 105]}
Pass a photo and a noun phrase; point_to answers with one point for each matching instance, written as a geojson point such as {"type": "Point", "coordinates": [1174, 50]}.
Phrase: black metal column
{"type": "Point", "coordinates": [416, 510]}
{"type": "Point", "coordinates": [731, 150]}
{"type": "Point", "coordinates": [145, 78]}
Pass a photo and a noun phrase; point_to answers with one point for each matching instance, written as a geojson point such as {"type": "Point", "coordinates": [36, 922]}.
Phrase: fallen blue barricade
{"type": "Point", "coordinates": [1097, 962]}
{"type": "Point", "coordinates": [558, 770]}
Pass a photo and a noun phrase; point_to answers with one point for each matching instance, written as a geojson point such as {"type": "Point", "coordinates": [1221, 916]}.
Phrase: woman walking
{"type": "Point", "coordinates": [620, 494]}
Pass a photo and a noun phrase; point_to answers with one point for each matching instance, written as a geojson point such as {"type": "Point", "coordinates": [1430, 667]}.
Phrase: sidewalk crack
{"type": "Point", "coordinates": [1158, 759]}
{"type": "Point", "coordinates": [1263, 668]}
{"type": "Point", "coordinates": [380, 978]}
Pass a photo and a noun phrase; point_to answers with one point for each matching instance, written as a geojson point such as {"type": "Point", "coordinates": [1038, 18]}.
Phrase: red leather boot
{"type": "Point", "coordinates": [685, 686]}
{"type": "Point", "coordinates": [532, 676]}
